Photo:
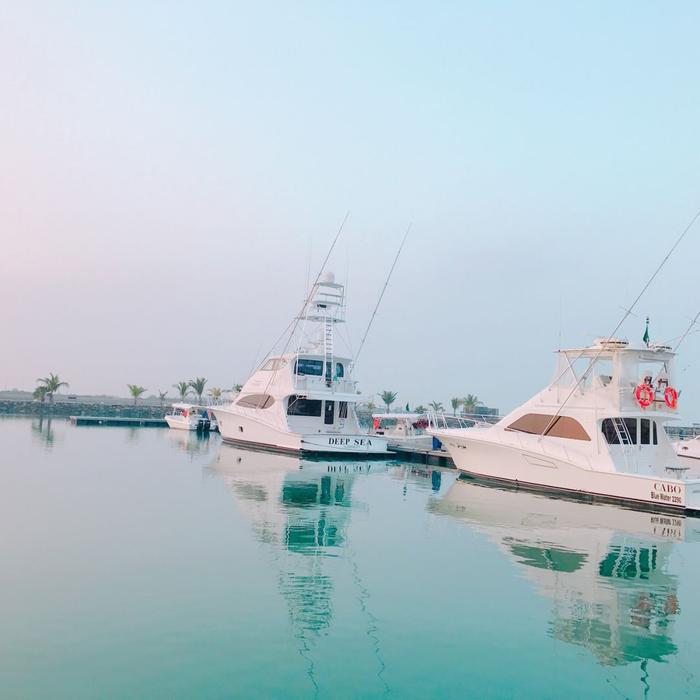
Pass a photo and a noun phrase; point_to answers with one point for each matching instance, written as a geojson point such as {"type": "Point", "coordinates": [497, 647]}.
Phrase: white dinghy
{"type": "Point", "coordinates": [188, 416]}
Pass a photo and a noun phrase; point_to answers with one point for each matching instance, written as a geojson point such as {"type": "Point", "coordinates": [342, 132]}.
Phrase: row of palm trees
{"type": "Point", "coordinates": [469, 403]}
{"type": "Point", "coordinates": [185, 388]}
{"type": "Point", "coordinates": [197, 386]}
{"type": "Point", "coordinates": [48, 386]}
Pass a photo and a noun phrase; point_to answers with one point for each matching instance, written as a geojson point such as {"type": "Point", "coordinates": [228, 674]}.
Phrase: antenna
{"type": "Point", "coordinates": [628, 311]}
{"type": "Point", "coordinates": [381, 296]}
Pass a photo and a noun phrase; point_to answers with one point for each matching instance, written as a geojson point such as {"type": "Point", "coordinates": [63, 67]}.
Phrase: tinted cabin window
{"type": "Point", "coordinates": [330, 412]}
{"type": "Point", "coordinates": [612, 435]}
{"type": "Point", "coordinates": [610, 432]}
{"type": "Point", "coordinates": [343, 409]}
{"type": "Point", "coordinates": [255, 401]}
{"type": "Point", "coordinates": [304, 407]}
{"type": "Point", "coordinates": [339, 369]}
{"type": "Point", "coordinates": [561, 426]}
{"type": "Point", "coordinates": [312, 367]}
{"type": "Point", "coordinates": [644, 431]}
{"type": "Point", "coordinates": [656, 437]}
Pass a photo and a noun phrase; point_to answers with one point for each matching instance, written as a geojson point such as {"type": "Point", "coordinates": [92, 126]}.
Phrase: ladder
{"type": "Point", "coordinates": [328, 350]}
{"type": "Point", "coordinates": [622, 431]}
{"type": "Point", "coordinates": [625, 440]}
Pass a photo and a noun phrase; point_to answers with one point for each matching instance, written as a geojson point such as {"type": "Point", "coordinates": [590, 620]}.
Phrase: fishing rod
{"type": "Point", "coordinates": [381, 296]}
{"type": "Point", "coordinates": [627, 313]}
{"type": "Point", "coordinates": [687, 332]}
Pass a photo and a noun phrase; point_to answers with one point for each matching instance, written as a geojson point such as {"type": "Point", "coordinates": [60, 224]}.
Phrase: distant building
{"type": "Point", "coordinates": [486, 411]}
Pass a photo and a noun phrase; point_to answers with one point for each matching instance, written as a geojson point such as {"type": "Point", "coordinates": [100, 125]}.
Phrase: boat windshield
{"type": "Point", "coordinates": [621, 370]}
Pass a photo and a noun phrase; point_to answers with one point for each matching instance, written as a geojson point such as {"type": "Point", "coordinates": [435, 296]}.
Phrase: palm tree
{"type": "Point", "coordinates": [162, 395]}
{"type": "Point", "coordinates": [136, 391]}
{"type": "Point", "coordinates": [183, 389]}
{"type": "Point", "coordinates": [420, 408]}
{"type": "Point", "coordinates": [388, 397]}
{"type": "Point", "coordinates": [237, 388]}
{"type": "Point", "coordinates": [436, 406]}
{"type": "Point", "coordinates": [51, 385]}
{"type": "Point", "coordinates": [40, 393]}
{"type": "Point", "coordinates": [215, 393]}
{"type": "Point", "coordinates": [371, 406]}
{"type": "Point", "coordinates": [456, 402]}
{"type": "Point", "coordinates": [197, 385]}
{"type": "Point", "coordinates": [469, 403]}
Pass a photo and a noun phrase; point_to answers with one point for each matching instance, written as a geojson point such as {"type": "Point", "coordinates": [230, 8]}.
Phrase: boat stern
{"type": "Point", "coordinates": [344, 444]}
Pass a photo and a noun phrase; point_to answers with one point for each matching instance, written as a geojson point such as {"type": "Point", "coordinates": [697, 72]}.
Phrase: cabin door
{"type": "Point", "coordinates": [328, 415]}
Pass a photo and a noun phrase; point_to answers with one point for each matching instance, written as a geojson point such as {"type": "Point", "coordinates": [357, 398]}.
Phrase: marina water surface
{"type": "Point", "coordinates": [147, 563]}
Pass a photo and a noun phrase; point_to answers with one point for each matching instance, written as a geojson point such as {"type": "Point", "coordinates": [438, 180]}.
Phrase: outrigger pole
{"type": "Point", "coordinates": [381, 296]}
{"type": "Point", "coordinates": [627, 313]}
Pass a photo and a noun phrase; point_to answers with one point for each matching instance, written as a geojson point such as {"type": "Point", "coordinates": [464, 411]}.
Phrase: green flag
{"type": "Point", "coordinates": [645, 337]}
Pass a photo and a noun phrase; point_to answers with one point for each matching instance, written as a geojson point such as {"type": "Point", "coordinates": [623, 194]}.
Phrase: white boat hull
{"type": "Point", "coordinates": [688, 452]}
{"type": "Point", "coordinates": [239, 429]}
{"type": "Point", "coordinates": [179, 423]}
{"type": "Point", "coordinates": [530, 469]}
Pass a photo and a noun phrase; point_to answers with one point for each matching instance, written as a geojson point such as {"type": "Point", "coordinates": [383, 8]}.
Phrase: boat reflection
{"type": "Point", "coordinates": [300, 508]}
{"type": "Point", "coordinates": [191, 442]}
{"type": "Point", "coordinates": [605, 568]}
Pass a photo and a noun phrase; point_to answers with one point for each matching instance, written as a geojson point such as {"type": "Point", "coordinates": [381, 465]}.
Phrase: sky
{"type": "Point", "coordinates": [169, 172]}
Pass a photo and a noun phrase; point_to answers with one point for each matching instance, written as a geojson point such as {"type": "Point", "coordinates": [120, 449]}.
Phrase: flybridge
{"type": "Point", "coordinates": [612, 375]}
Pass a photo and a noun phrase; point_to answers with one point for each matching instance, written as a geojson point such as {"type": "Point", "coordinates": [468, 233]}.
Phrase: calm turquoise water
{"type": "Point", "coordinates": [149, 564]}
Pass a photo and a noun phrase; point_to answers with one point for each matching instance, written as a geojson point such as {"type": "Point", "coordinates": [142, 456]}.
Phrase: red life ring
{"type": "Point", "coordinates": [671, 397]}
{"type": "Point", "coordinates": [644, 395]}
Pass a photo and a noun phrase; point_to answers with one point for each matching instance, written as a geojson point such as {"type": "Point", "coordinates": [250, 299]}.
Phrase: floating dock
{"type": "Point", "coordinates": [119, 421]}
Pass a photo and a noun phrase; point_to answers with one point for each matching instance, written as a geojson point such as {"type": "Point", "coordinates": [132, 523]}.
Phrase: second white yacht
{"type": "Point", "coordinates": [597, 429]}
{"type": "Point", "coordinates": [304, 400]}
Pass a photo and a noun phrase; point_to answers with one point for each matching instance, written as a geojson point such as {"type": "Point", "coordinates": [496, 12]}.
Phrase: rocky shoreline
{"type": "Point", "coordinates": [77, 408]}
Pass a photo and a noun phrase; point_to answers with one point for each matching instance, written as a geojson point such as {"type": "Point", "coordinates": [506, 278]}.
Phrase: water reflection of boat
{"type": "Point", "coordinates": [300, 507]}
{"type": "Point", "coordinates": [190, 442]}
{"type": "Point", "coordinates": [605, 568]}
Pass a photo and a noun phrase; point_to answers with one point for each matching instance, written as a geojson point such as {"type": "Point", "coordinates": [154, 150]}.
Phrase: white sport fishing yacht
{"type": "Point", "coordinates": [304, 400]}
{"type": "Point", "coordinates": [597, 429]}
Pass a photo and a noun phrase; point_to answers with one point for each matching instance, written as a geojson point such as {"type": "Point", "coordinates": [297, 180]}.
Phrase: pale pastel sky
{"type": "Point", "coordinates": [165, 169]}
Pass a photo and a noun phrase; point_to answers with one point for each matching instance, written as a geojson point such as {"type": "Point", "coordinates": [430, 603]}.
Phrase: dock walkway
{"type": "Point", "coordinates": [119, 421]}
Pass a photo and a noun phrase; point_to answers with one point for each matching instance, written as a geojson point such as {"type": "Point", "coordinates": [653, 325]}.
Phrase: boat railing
{"type": "Point", "coordinates": [629, 402]}
{"type": "Point", "coordinates": [309, 382]}
{"type": "Point", "coordinates": [438, 420]}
